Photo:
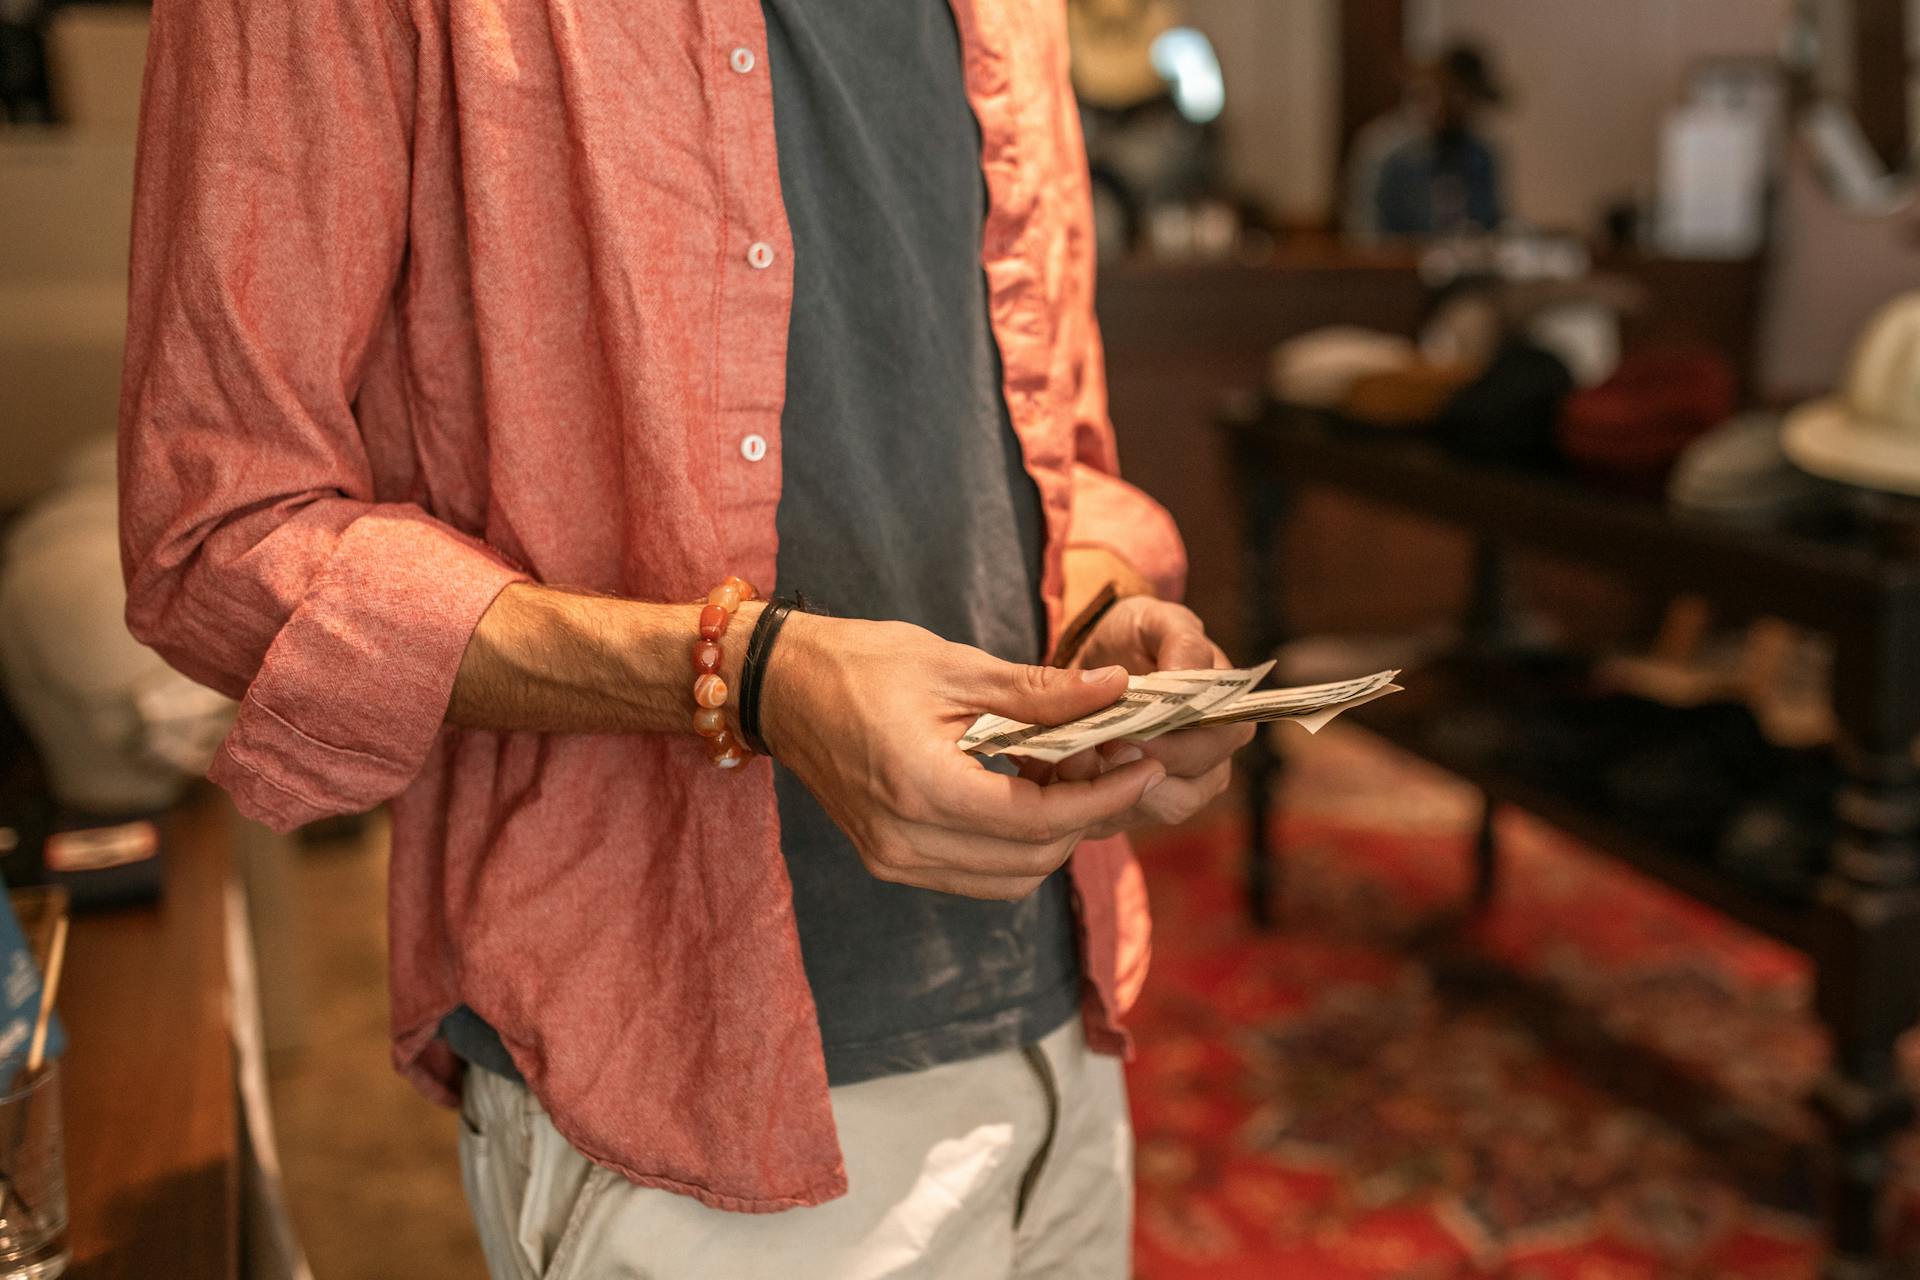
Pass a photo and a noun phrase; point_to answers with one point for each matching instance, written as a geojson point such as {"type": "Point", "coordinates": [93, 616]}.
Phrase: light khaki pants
{"type": "Point", "coordinates": [1014, 1165]}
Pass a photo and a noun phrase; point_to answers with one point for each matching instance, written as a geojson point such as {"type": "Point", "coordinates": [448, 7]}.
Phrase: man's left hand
{"type": "Point", "coordinates": [1145, 635]}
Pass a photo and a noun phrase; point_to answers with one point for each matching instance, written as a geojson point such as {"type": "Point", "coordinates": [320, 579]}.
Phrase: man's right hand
{"type": "Point", "coordinates": [867, 714]}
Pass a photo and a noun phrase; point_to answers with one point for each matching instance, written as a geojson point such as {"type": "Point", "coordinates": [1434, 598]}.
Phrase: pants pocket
{"type": "Point", "coordinates": [492, 1194]}
{"type": "Point", "coordinates": [531, 1193]}
{"type": "Point", "coordinates": [574, 1248]}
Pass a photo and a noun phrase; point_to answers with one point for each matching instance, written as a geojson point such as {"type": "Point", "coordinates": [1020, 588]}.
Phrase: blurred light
{"type": "Point", "coordinates": [1185, 60]}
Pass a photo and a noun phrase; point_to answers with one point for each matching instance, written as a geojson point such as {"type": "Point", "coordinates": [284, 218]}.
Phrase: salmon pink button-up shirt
{"type": "Point", "coordinates": [432, 296]}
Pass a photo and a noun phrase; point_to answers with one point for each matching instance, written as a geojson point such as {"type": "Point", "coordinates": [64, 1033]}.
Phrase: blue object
{"type": "Point", "coordinates": [1438, 185]}
{"type": "Point", "coordinates": [20, 987]}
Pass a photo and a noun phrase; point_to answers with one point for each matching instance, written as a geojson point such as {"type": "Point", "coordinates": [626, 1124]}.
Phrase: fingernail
{"type": "Point", "coordinates": [1102, 675]}
{"type": "Point", "coordinates": [1127, 755]}
{"type": "Point", "coordinates": [1158, 778]}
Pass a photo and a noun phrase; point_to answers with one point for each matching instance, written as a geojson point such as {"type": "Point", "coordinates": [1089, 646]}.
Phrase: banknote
{"type": "Point", "coordinates": [1312, 718]}
{"type": "Point", "coordinates": [1168, 701]}
{"type": "Point", "coordinates": [1303, 703]}
{"type": "Point", "coordinates": [1149, 701]}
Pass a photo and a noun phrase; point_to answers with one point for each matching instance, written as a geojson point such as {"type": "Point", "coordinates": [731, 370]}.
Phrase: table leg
{"type": "Point", "coordinates": [1265, 506]}
{"type": "Point", "coordinates": [1486, 855]}
{"type": "Point", "coordinates": [1867, 940]}
{"type": "Point", "coordinates": [1491, 618]}
{"type": "Point", "coordinates": [1263, 769]}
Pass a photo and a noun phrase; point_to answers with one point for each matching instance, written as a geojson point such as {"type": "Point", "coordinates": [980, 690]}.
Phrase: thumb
{"type": "Point", "coordinates": [1046, 695]}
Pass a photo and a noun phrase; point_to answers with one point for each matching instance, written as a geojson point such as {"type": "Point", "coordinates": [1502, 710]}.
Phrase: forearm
{"type": "Point", "coordinates": [554, 661]}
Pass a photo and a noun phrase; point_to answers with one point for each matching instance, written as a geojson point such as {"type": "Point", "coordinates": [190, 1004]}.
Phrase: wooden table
{"type": "Point", "coordinates": [152, 1135]}
{"type": "Point", "coordinates": [1862, 930]}
{"type": "Point", "coordinates": [1179, 336]}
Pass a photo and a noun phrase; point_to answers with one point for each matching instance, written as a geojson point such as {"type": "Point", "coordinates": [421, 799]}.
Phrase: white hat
{"type": "Point", "coordinates": [1319, 368]}
{"type": "Point", "coordinates": [119, 730]}
{"type": "Point", "coordinates": [1870, 435]}
{"type": "Point", "coordinates": [1112, 48]}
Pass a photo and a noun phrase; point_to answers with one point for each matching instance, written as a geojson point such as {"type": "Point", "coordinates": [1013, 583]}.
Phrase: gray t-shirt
{"type": "Point", "coordinates": [903, 497]}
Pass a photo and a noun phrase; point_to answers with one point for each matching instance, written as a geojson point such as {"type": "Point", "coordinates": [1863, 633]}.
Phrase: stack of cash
{"type": "Point", "coordinates": [1167, 701]}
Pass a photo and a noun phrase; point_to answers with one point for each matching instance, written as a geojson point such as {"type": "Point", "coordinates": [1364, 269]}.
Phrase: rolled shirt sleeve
{"type": "Point", "coordinates": [1107, 511]}
{"type": "Point", "coordinates": [270, 225]}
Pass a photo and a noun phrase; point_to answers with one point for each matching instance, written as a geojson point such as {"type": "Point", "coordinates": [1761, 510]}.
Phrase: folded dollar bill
{"type": "Point", "coordinates": [1168, 701]}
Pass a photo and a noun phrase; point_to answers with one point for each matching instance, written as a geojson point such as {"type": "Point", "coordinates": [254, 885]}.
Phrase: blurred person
{"type": "Point", "coordinates": [1425, 169]}
{"type": "Point", "coordinates": [467, 344]}
{"type": "Point", "coordinates": [1143, 151]}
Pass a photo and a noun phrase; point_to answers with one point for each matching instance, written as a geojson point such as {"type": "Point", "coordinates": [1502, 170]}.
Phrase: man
{"type": "Point", "coordinates": [468, 339]}
{"type": "Point", "coordinates": [1426, 169]}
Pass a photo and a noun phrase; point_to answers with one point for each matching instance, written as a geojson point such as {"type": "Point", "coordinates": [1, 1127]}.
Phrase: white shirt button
{"type": "Point", "coordinates": [753, 448]}
{"type": "Point", "coordinates": [760, 255]}
{"type": "Point", "coordinates": [741, 60]}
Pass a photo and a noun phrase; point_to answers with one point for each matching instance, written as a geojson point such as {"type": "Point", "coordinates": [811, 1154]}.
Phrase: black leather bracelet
{"type": "Point", "coordinates": [753, 667]}
{"type": "Point", "coordinates": [1073, 636]}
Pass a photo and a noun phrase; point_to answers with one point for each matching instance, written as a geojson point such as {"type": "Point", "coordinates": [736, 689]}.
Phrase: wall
{"type": "Point", "coordinates": [65, 202]}
{"type": "Point", "coordinates": [1831, 269]}
{"type": "Point", "coordinates": [1281, 62]}
{"type": "Point", "coordinates": [1591, 82]}
{"type": "Point", "coordinates": [66, 199]}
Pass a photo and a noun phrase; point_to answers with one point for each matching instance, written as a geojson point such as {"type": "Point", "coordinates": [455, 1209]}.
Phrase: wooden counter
{"type": "Point", "coordinates": [152, 1134]}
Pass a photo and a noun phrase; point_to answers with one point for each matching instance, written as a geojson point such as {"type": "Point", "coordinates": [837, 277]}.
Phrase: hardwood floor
{"type": "Point", "coordinates": [372, 1174]}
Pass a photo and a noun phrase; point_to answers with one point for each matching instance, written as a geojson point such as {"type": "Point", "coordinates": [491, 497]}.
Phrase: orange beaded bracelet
{"type": "Point", "coordinates": [709, 688]}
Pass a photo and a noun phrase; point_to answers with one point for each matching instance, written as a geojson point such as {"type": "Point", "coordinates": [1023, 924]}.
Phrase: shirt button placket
{"type": "Point", "coordinates": [759, 256]}
{"type": "Point", "coordinates": [753, 446]}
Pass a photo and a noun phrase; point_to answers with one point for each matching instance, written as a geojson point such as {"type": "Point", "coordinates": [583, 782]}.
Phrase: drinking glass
{"type": "Point", "coordinates": [33, 1179]}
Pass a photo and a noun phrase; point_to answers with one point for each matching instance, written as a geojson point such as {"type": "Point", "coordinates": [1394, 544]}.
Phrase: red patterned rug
{"type": "Point", "coordinates": [1315, 1103]}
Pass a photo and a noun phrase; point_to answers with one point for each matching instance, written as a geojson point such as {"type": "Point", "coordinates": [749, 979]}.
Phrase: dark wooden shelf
{"type": "Point", "coordinates": [1823, 585]}
{"type": "Point", "coordinates": [1409, 720]}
